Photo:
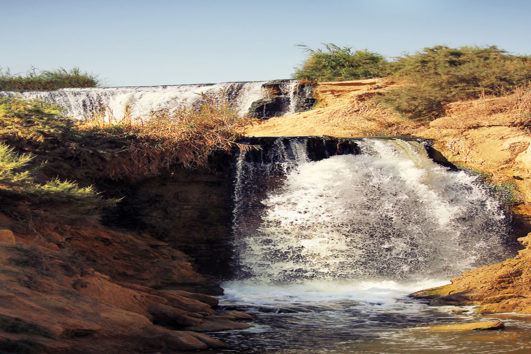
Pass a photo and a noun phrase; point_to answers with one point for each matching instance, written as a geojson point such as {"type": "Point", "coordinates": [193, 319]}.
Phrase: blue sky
{"type": "Point", "coordinates": [171, 42]}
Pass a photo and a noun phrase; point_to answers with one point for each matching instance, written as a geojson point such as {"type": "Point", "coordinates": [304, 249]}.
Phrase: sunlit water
{"type": "Point", "coordinates": [364, 317]}
{"type": "Point", "coordinates": [326, 252]}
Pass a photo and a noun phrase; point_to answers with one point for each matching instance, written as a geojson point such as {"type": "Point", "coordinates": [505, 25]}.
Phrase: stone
{"type": "Point", "coordinates": [7, 236]}
{"type": "Point", "coordinates": [269, 107]}
{"type": "Point", "coordinates": [474, 326]}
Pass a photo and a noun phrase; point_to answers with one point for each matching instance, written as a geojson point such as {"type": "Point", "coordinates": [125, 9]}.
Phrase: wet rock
{"type": "Point", "coordinates": [474, 326]}
{"type": "Point", "coordinates": [218, 324]}
{"type": "Point", "coordinates": [171, 316]}
{"type": "Point", "coordinates": [269, 107]}
{"type": "Point", "coordinates": [284, 96]}
{"type": "Point", "coordinates": [501, 287]}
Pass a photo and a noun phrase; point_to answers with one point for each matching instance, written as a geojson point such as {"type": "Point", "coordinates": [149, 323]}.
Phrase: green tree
{"type": "Point", "coordinates": [439, 75]}
{"type": "Point", "coordinates": [335, 63]}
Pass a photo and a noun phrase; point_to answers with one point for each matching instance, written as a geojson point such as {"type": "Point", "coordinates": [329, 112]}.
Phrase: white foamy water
{"type": "Point", "coordinates": [389, 213]}
{"type": "Point", "coordinates": [247, 292]}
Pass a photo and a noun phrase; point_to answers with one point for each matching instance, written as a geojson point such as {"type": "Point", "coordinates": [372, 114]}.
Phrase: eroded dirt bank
{"type": "Point", "coordinates": [488, 135]}
{"type": "Point", "coordinates": [88, 289]}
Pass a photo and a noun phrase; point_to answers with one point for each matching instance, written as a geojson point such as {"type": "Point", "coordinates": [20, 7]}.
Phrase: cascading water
{"type": "Point", "coordinates": [387, 213]}
{"type": "Point", "coordinates": [329, 246]}
{"type": "Point", "coordinates": [115, 103]}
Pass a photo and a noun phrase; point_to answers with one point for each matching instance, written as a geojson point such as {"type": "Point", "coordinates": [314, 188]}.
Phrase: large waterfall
{"type": "Point", "coordinates": [330, 238]}
{"type": "Point", "coordinates": [114, 103]}
{"type": "Point", "coordinates": [389, 212]}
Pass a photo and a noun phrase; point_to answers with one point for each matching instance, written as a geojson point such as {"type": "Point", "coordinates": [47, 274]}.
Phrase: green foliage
{"type": "Point", "coordinates": [439, 75]}
{"type": "Point", "coordinates": [12, 167]}
{"type": "Point", "coordinates": [336, 63]}
{"type": "Point", "coordinates": [37, 122]}
{"type": "Point", "coordinates": [507, 192]}
{"type": "Point", "coordinates": [16, 177]}
{"type": "Point", "coordinates": [46, 80]}
{"type": "Point", "coordinates": [31, 120]}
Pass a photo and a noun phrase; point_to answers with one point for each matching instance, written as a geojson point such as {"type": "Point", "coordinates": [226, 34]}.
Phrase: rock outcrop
{"type": "Point", "coordinates": [502, 287]}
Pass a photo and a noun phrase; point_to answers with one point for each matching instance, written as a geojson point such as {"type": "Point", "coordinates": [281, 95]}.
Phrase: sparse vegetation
{"type": "Point", "coordinates": [335, 63]}
{"type": "Point", "coordinates": [440, 75]}
{"type": "Point", "coordinates": [46, 80]}
{"type": "Point", "coordinates": [429, 80]}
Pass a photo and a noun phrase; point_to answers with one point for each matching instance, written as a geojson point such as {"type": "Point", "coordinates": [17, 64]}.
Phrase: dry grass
{"type": "Point", "coordinates": [186, 136]}
{"type": "Point", "coordinates": [346, 109]}
{"type": "Point", "coordinates": [514, 108]}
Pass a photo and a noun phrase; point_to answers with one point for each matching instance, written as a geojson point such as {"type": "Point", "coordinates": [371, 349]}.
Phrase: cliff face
{"type": "Point", "coordinates": [488, 135]}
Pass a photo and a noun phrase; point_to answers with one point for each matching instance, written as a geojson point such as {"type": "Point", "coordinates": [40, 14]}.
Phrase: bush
{"type": "Point", "coordinates": [31, 120]}
{"type": "Point", "coordinates": [439, 75]}
{"type": "Point", "coordinates": [17, 179]}
{"type": "Point", "coordinates": [341, 63]}
{"type": "Point", "coordinates": [35, 126]}
{"type": "Point", "coordinates": [46, 80]}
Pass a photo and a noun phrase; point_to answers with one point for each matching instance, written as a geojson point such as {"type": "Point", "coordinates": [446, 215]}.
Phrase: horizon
{"type": "Point", "coordinates": [136, 43]}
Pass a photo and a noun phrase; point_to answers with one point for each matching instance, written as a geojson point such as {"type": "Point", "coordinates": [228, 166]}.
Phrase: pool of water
{"type": "Point", "coordinates": [362, 317]}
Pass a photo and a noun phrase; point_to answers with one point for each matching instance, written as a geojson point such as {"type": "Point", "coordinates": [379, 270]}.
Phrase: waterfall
{"type": "Point", "coordinates": [331, 236]}
{"type": "Point", "coordinates": [291, 89]}
{"type": "Point", "coordinates": [387, 213]}
{"type": "Point", "coordinates": [114, 103]}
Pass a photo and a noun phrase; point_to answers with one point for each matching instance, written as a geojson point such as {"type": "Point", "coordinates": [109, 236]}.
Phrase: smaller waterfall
{"type": "Point", "coordinates": [293, 98]}
{"type": "Point", "coordinates": [114, 103]}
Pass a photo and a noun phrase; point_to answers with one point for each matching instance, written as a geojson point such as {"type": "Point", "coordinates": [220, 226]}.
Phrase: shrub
{"type": "Point", "coordinates": [16, 179]}
{"type": "Point", "coordinates": [31, 120]}
{"type": "Point", "coordinates": [439, 75]}
{"type": "Point", "coordinates": [46, 80]}
{"type": "Point", "coordinates": [341, 63]}
{"type": "Point", "coordinates": [35, 125]}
